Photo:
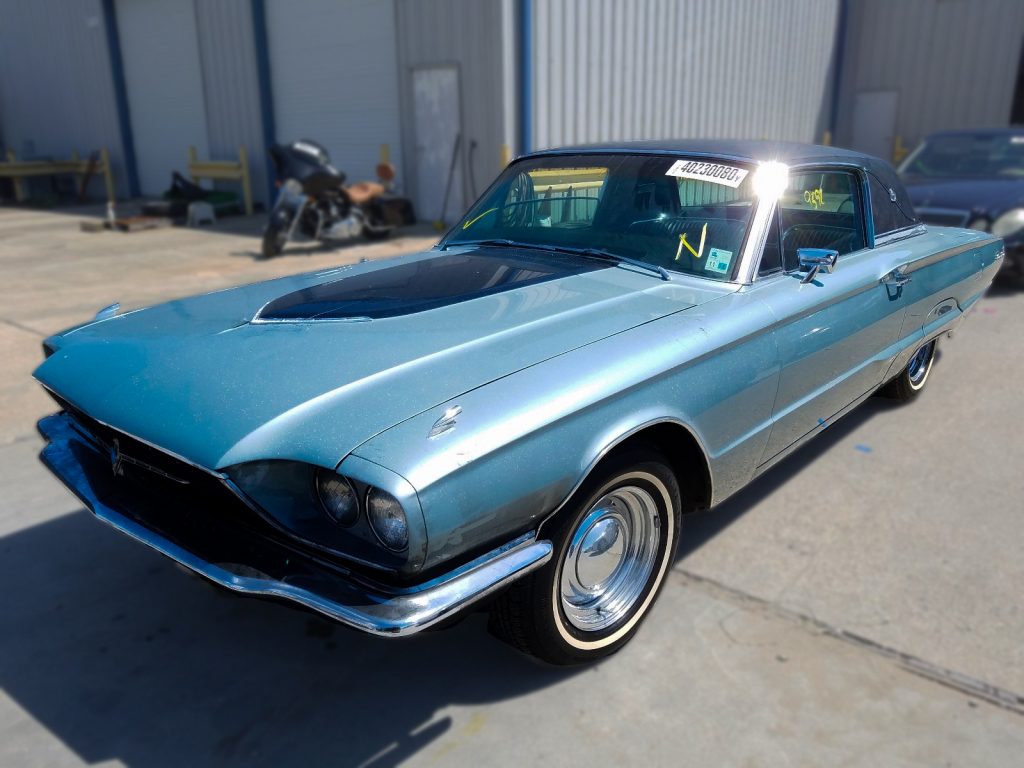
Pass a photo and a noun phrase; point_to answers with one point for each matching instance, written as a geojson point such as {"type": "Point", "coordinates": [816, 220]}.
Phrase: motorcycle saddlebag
{"type": "Point", "coordinates": [394, 211]}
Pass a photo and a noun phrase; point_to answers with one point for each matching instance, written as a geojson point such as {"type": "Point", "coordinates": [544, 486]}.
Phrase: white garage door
{"type": "Point", "coordinates": [334, 78]}
{"type": "Point", "coordinates": [165, 89]}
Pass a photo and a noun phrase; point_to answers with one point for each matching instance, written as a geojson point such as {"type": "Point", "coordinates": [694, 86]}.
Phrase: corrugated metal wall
{"type": "Point", "coordinates": [334, 79]}
{"type": "Point", "coordinates": [56, 92]}
{"type": "Point", "coordinates": [231, 89]}
{"type": "Point", "coordinates": [468, 34]}
{"type": "Point", "coordinates": [164, 80]}
{"type": "Point", "coordinates": [953, 62]}
{"type": "Point", "coordinates": [637, 69]}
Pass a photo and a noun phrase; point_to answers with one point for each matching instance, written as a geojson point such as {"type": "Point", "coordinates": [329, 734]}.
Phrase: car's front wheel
{"type": "Point", "coordinates": [912, 378]}
{"type": "Point", "coordinates": [613, 546]}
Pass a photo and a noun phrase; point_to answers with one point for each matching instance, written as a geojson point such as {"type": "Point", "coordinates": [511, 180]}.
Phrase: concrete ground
{"type": "Point", "coordinates": [861, 604]}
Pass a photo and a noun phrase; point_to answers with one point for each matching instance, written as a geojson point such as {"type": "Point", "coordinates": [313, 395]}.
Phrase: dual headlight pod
{"type": "Point", "coordinates": [340, 501]}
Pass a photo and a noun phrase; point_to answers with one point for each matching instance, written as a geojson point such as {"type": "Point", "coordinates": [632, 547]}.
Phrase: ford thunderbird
{"type": "Point", "coordinates": [612, 338]}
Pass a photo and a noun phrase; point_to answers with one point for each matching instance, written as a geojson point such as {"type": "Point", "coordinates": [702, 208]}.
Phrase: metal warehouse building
{"type": "Point", "coordinates": [149, 78]}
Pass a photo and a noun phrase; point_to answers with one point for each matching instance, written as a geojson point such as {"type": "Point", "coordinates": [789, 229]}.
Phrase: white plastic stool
{"type": "Point", "coordinates": [200, 213]}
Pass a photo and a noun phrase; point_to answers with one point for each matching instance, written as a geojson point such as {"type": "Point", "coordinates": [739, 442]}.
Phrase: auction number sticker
{"type": "Point", "coordinates": [718, 261]}
{"type": "Point", "coordinates": [729, 175]}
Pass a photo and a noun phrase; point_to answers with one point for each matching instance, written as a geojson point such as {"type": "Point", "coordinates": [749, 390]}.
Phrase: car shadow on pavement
{"type": "Point", "coordinates": [122, 656]}
{"type": "Point", "coordinates": [700, 527]}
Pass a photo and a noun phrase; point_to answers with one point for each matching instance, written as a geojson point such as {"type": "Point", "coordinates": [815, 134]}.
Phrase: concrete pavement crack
{"type": "Point", "coordinates": [958, 681]}
{"type": "Point", "coordinates": [20, 327]}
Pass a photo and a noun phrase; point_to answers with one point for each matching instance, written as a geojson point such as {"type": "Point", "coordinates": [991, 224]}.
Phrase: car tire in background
{"type": "Point", "coordinates": [274, 238]}
{"type": "Point", "coordinates": [377, 234]}
{"type": "Point", "coordinates": [614, 543]}
{"type": "Point", "coordinates": [911, 380]}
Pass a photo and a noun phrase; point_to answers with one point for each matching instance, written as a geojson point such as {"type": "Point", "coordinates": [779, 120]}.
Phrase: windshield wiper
{"type": "Point", "coordinates": [504, 242]}
{"type": "Point", "coordinates": [594, 253]}
{"type": "Point", "coordinates": [598, 253]}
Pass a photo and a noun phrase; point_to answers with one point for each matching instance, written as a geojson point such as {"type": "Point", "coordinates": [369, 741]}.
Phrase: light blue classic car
{"type": "Point", "coordinates": [611, 338]}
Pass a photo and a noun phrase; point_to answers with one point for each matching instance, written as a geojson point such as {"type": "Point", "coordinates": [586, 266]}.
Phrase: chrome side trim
{"type": "Point", "coordinates": [900, 234]}
{"type": "Point", "coordinates": [373, 609]}
{"type": "Point", "coordinates": [949, 253]}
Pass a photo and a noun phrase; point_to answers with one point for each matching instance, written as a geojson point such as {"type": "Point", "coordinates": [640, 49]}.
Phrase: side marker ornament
{"type": "Point", "coordinates": [106, 312]}
{"type": "Point", "coordinates": [446, 423]}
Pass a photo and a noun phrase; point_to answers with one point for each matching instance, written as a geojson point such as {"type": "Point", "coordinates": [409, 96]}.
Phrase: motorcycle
{"type": "Point", "coordinates": [315, 202]}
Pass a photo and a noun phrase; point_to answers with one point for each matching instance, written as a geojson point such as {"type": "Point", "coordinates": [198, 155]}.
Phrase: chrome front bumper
{"type": "Point", "coordinates": [349, 599]}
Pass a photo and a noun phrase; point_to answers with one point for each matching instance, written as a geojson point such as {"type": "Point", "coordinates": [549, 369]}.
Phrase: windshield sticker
{"type": "Point", "coordinates": [728, 175]}
{"type": "Point", "coordinates": [700, 249]}
{"type": "Point", "coordinates": [718, 261]}
{"type": "Point", "coordinates": [815, 197]}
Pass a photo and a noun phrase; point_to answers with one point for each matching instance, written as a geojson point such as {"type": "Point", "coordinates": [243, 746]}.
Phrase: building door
{"type": "Point", "coordinates": [165, 87]}
{"type": "Point", "coordinates": [334, 77]}
{"type": "Point", "coordinates": [437, 123]}
{"type": "Point", "coordinates": [874, 123]}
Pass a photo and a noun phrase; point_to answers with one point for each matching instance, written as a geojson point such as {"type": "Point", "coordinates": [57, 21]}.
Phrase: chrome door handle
{"type": "Point", "coordinates": [897, 277]}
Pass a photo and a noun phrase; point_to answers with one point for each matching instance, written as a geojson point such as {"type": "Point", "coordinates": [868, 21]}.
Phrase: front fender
{"type": "Point", "coordinates": [523, 443]}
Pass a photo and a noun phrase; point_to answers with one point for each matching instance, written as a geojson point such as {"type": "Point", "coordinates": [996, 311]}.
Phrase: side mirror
{"type": "Point", "coordinates": [814, 260]}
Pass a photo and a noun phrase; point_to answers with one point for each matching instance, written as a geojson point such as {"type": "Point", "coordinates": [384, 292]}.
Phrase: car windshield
{"type": "Point", "coordinates": [682, 214]}
{"type": "Point", "coordinates": [967, 154]}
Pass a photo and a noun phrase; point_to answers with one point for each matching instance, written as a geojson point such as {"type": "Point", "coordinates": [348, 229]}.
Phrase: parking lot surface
{"type": "Point", "coordinates": [860, 604]}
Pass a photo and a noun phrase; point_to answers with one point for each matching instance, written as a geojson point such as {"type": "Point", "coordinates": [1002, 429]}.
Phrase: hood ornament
{"type": "Point", "coordinates": [116, 458]}
{"type": "Point", "coordinates": [446, 423]}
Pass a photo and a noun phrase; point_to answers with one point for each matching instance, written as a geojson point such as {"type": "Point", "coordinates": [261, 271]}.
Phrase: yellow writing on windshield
{"type": "Point", "coordinates": [815, 197]}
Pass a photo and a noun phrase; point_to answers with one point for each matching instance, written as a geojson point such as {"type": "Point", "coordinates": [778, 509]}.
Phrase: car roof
{"type": "Point", "coordinates": [750, 150]}
{"type": "Point", "coordinates": [1011, 131]}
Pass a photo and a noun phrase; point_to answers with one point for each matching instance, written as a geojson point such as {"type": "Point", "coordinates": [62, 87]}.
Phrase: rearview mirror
{"type": "Point", "coordinates": [814, 260]}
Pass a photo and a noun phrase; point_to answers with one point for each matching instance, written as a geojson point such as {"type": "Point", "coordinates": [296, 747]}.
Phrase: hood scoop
{"type": "Point", "coordinates": [418, 286]}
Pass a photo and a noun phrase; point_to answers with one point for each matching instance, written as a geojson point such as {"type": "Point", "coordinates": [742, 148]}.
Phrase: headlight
{"type": "Point", "coordinates": [980, 224]}
{"type": "Point", "coordinates": [387, 519]}
{"type": "Point", "coordinates": [337, 497]}
{"type": "Point", "coordinates": [1009, 223]}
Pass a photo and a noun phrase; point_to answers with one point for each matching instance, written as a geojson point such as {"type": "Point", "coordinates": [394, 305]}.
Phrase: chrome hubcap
{"type": "Point", "coordinates": [917, 368]}
{"type": "Point", "coordinates": [609, 559]}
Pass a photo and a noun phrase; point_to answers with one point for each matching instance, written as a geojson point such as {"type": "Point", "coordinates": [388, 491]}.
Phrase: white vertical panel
{"type": "Point", "coordinates": [228, 53]}
{"type": "Point", "coordinates": [160, 48]}
{"type": "Point", "coordinates": [334, 77]}
{"type": "Point", "coordinates": [672, 69]}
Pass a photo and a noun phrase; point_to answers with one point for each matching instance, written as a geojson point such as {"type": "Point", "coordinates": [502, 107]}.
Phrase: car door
{"type": "Point", "coordinates": [836, 333]}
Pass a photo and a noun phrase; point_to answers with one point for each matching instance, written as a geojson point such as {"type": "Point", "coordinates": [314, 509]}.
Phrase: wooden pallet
{"type": "Point", "coordinates": [127, 224]}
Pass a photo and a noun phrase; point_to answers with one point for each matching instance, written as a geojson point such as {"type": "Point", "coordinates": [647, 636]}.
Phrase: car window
{"type": "Point", "coordinates": [977, 155]}
{"type": "Point", "coordinates": [886, 213]}
{"type": "Point", "coordinates": [568, 197]}
{"type": "Point", "coordinates": [684, 214]}
{"type": "Point", "coordinates": [820, 209]}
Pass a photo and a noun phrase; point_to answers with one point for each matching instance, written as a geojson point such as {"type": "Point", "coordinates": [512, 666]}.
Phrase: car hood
{"type": "Point", "coordinates": [309, 367]}
{"type": "Point", "coordinates": [980, 196]}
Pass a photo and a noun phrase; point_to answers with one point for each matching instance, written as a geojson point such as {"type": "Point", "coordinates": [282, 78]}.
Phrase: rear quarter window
{"type": "Point", "coordinates": [886, 214]}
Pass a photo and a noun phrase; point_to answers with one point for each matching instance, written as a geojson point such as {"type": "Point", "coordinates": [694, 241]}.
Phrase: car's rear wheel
{"type": "Point", "coordinates": [911, 380]}
{"type": "Point", "coordinates": [613, 546]}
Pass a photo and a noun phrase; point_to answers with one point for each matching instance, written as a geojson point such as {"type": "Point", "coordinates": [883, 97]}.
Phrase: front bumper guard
{"type": "Point", "coordinates": [372, 608]}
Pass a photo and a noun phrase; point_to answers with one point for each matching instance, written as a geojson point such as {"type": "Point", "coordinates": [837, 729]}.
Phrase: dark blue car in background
{"type": "Point", "coordinates": [972, 179]}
